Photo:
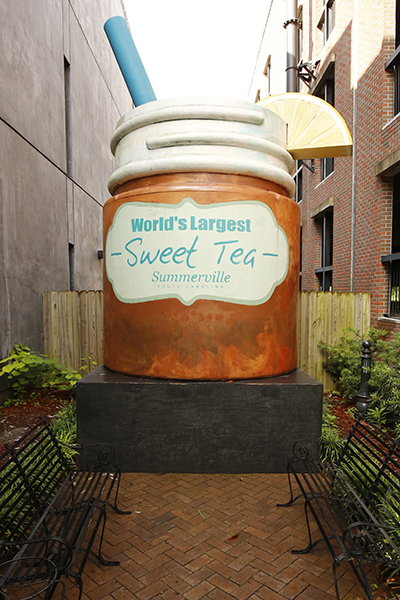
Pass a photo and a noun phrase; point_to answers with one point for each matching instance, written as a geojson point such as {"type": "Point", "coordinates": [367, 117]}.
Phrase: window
{"type": "Point", "coordinates": [327, 20]}
{"type": "Point", "coordinates": [324, 273]}
{"type": "Point", "coordinates": [396, 85]}
{"type": "Point", "coordinates": [327, 167]}
{"type": "Point", "coordinates": [396, 215]}
{"type": "Point", "coordinates": [258, 96]}
{"type": "Point", "coordinates": [267, 73]}
{"type": "Point", "coordinates": [393, 64]}
{"type": "Point", "coordinates": [393, 260]}
{"type": "Point", "coordinates": [298, 179]}
{"type": "Point", "coordinates": [326, 91]}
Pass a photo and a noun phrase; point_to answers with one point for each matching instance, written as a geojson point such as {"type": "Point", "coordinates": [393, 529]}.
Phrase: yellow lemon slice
{"type": "Point", "coordinates": [315, 128]}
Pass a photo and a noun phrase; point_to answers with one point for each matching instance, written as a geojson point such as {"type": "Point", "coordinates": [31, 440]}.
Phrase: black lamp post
{"type": "Point", "coordinates": [363, 393]}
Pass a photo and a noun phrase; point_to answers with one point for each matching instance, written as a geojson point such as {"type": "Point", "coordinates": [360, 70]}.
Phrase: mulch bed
{"type": "Point", "coordinates": [340, 408]}
{"type": "Point", "coordinates": [15, 420]}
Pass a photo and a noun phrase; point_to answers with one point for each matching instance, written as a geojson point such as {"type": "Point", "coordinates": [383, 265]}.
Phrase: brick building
{"type": "Point", "coordinates": [349, 55]}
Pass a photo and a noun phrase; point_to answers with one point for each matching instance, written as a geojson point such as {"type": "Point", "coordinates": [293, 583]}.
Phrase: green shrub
{"type": "Point", "coordinates": [343, 361]}
{"type": "Point", "coordinates": [64, 427]}
{"type": "Point", "coordinates": [28, 370]}
{"type": "Point", "coordinates": [331, 445]}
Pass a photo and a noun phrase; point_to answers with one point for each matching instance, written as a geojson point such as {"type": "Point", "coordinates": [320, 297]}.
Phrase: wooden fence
{"type": "Point", "coordinates": [73, 327]}
{"type": "Point", "coordinates": [323, 316]}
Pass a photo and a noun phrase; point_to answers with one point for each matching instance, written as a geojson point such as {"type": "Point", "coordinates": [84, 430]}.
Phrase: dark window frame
{"type": "Point", "coordinates": [298, 179]}
{"type": "Point", "coordinates": [326, 24]}
{"type": "Point", "coordinates": [326, 91]}
{"type": "Point", "coordinates": [393, 63]}
{"type": "Point", "coordinates": [393, 259]}
{"type": "Point", "coordinates": [325, 272]}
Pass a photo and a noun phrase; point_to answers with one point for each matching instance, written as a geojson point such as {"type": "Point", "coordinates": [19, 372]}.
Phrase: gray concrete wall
{"type": "Point", "coordinates": [46, 204]}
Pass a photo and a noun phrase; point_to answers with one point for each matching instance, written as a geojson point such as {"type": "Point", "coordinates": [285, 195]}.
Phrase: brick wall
{"type": "Point", "coordinates": [359, 47]}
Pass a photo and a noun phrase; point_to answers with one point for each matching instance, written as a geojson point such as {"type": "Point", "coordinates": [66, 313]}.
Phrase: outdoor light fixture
{"type": "Point", "coordinates": [363, 394]}
{"type": "Point", "coordinates": [305, 72]}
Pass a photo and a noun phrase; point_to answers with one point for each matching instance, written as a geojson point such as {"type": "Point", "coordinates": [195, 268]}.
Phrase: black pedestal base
{"type": "Point", "coordinates": [156, 425]}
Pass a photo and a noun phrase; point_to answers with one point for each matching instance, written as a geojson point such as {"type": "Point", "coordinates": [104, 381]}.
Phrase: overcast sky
{"type": "Point", "coordinates": [204, 48]}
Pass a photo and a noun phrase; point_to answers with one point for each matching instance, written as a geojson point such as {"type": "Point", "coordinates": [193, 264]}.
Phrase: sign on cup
{"type": "Point", "coordinates": [230, 251]}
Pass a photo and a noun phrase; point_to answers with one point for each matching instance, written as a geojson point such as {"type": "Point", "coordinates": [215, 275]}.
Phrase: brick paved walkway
{"type": "Point", "coordinates": [210, 536]}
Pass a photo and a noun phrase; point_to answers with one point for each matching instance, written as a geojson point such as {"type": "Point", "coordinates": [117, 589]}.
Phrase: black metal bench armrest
{"type": "Point", "coordinates": [305, 449]}
{"type": "Point", "coordinates": [369, 525]}
{"type": "Point", "coordinates": [310, 449]}
{"type": "Point", "coordinates": [359, 539]}
{"type": "Point", "coordinates": [105, 456]}
{"type": "Point", "coordinates": [13, 575]}
{"type": "Point", "coordinates": [52, 554]}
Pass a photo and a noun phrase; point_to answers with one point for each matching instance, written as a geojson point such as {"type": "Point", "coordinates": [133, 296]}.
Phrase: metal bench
{"type": "Point", "coordinates": [50, 513]}
{"type": "Point", "coordinates": [355, 501]}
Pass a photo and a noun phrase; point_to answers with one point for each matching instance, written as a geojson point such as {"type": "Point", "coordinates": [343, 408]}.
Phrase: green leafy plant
{"type": "Point", "coordinates": [29, 370]}
{"type": "Point", "coordinates": [330, 442]}
{"type": "Point", "coordinates": [64, 428]}
{"type": "Point", "coordinates": [343, 361]}
{"type": "Point", "coordinates": [90, 364]}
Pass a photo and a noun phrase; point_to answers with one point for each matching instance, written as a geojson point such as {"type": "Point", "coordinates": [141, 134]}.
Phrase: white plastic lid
{"type": "Point", "coordinates": [199, 134]}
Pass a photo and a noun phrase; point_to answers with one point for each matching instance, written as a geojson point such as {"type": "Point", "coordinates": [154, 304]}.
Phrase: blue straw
{"type": "Point", "coordinates": [129, 61]}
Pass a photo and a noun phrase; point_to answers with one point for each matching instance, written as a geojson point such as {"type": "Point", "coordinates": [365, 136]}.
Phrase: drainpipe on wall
{"type": "Point", "coordinates": [354, 165]}
{"type": "Point", "coordinates": [291, 25]}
